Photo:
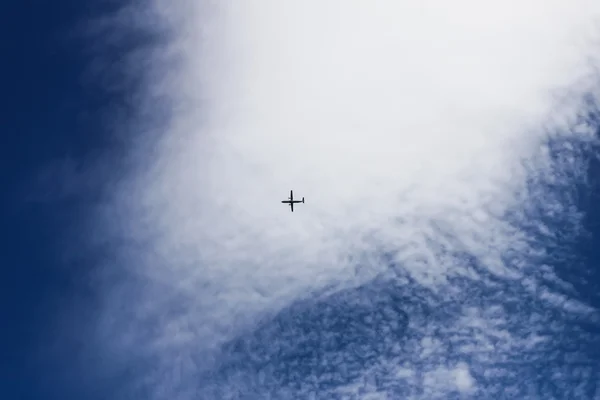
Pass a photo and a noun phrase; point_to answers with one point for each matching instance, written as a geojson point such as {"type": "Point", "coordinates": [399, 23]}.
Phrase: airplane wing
{"type": "Point", "coordinates": [292, 206]}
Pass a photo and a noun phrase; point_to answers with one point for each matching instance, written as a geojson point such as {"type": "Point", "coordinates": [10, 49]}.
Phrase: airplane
{"type": "Point", "coordinates": [291, 201]}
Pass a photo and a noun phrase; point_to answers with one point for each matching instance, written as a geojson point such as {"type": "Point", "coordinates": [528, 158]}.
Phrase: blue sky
{"type": "Point", "coordinates": [50, 114]}
{"type": "Point", "coordinates": [448, 247]}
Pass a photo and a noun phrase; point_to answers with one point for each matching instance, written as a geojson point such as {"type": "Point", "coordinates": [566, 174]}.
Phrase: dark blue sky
{"type": "Point", "coordinates": [52, 113]}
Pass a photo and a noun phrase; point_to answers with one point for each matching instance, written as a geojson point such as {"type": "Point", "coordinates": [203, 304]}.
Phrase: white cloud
{"type": "Point", "coordinates": [410, 127]}
{"type": "Point", "coordinates": [463, 378]}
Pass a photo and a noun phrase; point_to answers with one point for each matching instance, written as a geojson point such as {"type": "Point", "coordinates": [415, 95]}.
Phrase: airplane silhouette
{"type": "Point", "coordinates": [291, 201]}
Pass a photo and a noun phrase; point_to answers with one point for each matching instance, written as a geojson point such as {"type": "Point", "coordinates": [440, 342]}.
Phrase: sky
{"type": "Point", "coordinates": [447, 152]}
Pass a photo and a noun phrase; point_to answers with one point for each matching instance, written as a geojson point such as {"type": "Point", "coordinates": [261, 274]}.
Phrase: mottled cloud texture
{"type": "Point", "coordinates": [435, 143]}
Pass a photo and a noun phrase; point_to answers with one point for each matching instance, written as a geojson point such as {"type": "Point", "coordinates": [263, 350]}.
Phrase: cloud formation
{"type": "Point", "coordinates": [419, 133]}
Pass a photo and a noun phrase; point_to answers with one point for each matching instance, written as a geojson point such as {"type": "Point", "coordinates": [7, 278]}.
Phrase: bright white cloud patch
{"type": "Point", "coordinates": [412, 128]}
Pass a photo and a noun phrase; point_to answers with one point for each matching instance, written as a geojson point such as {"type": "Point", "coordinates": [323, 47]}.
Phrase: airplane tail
{"type": "Point", "coordinates": [303, 199]}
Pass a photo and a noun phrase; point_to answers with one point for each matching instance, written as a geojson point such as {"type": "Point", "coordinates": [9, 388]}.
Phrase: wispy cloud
{"type": "Point", "coordinates": [417, 132]}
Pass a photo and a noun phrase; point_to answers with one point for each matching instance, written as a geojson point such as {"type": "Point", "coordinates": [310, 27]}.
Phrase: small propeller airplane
{"type": "Point", "coordinates": [291, 201]}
